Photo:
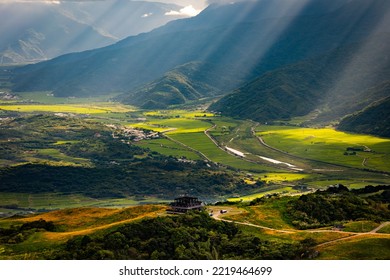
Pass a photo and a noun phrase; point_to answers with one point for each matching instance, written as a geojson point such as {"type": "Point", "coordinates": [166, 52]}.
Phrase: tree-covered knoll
{"type": "Point", "coordinates": [183, 237]}
{"type": "Point", "coordinates": [337, 205]}
{"type": "Point", "coordinates": [19, 233]}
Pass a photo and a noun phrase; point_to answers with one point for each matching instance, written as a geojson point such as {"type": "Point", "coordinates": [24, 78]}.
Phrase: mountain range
{"type": "Point", "coordinates": [272, 59]}
{"type": "Point", "coordinates": [36, 31]}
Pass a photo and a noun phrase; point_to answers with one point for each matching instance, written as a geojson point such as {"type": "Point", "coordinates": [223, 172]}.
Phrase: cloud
{"type": "Point", "coordinates": [186, 11]}
{"type": "Point", "coordinates": [146, 15]}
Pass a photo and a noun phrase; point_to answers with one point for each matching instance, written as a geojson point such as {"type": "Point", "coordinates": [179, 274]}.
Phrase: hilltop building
{"type": "Point", "coordinates": [184, 204]}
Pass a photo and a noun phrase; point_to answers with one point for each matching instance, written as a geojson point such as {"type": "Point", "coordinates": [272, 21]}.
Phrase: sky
{"type": "Point", "coordinates": [191, 7]}
{"type": "Point", "coordinates": [196, 4]}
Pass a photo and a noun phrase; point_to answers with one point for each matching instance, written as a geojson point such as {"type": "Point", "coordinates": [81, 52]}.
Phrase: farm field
{"type": "Point", "coordinates": [72, 108]}
{"type": "Point", "coordinates": [169, 148]}
{"type": "Point", "coordinates": [200, 142]}
{"type": "Point", "coordinates": [329, 145]}
{"type": "Point", "coordinates": [185, 137]}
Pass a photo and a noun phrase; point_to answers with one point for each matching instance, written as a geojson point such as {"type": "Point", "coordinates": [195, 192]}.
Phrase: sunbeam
{"type": "Point", "coordinates": [261, 23]}
{"type": "Point", "coordinates": [365, 65]}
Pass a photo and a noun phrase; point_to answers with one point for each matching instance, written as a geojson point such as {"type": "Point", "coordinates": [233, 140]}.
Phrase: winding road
{"type": "Point", "coordinates": [351, 235]}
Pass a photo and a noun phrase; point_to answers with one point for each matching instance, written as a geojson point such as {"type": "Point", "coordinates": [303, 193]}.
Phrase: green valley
{"type": "Point", "coordinates": [264, 124]}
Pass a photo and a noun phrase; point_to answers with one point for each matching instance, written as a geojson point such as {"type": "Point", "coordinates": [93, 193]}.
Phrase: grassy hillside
{"type": "Point", "coordinates": [265, 228]}
{"type": "Point", "coordinates": [188, 82]}
{"type": "Point", "coordinates": [374, 119]}
{"type": "Point", "coordinates": [40, 236]}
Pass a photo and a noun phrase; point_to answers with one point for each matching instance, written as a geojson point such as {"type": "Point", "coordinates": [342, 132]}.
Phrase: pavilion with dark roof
{"type": "Point", "coordinates": [184, 204]}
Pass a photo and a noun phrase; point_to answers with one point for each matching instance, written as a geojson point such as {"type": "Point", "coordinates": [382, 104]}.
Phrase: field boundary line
{"type": "Point", "coordinates": [188, 147]}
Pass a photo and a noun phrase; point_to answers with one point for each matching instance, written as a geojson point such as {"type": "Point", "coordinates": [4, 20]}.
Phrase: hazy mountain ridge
{"type": "Point", "coordinates": [253, 47]}
{"type": "Point", "coordinates": [33, 32]}
{"type": "Point", "coordinates": [292, 65]}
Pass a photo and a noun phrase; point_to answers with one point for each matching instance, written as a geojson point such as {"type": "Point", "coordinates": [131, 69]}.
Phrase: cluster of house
{"type": "Point", "coordinates": [132, 134]}
{"type": "Point", "coordinates": [7, 96]}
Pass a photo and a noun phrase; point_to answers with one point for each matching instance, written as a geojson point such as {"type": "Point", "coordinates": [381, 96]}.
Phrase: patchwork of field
{"type": "Point", "coordinates": [329, 145]}
{"type": "Point", "coordinates": [75, 109]}
{"type": "Point", "coordinates": [170, 148]}
{"type": "Point", "coordinates": [314, 157]}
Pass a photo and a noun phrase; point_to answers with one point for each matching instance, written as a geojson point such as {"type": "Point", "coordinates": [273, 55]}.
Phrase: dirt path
{"type": "Point", "coordinates": [68, 234]}
{"type": "Point", "coordinates": [380, 227]}
{"type": "Point", "coordinates": [351, 235]}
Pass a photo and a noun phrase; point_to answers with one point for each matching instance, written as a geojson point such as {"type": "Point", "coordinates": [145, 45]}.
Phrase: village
{"type": "Point", "coordinates": [132, 134]}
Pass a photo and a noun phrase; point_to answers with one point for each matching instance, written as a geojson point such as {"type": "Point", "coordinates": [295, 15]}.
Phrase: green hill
{"type": "Point", "coordinates": [374, 119]}
{"type": "Point", "coordinates": [191, 81]}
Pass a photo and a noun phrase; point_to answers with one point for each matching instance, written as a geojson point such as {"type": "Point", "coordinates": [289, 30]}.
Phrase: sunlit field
{"type": "Point", "coordinates": [374, 248]}
{"type": "Point", "coordinates": [200, 142]}
{"type": "Point", "coordinates": [169, 148]}
{"type": "Point", "coordinates": [75, 109]}
{"type": "Point", "coordinates": [266, 191]}
{"type": "Point", "coordinates": [329, 145]}
{"type": "Point", "coordinates": [181, 125]}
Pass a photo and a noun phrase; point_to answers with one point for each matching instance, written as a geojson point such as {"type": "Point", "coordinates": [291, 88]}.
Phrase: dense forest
{"type": "Point", "coordinates": [192, 236]}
